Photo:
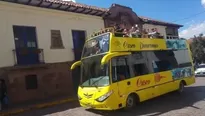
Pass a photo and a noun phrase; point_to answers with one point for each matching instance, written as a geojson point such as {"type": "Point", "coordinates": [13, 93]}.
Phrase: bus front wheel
{"type": "Point", "coordinates": [131, 102]}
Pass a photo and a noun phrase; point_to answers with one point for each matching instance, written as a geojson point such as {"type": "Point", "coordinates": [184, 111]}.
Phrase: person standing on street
{"type": "Point", "coordinates": [3, 97]}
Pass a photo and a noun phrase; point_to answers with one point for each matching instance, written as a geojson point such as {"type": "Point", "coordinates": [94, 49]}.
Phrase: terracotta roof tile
{"type": "Point", "coordinates": [87, 9]}
{"type": "Point", "coordinates": [70, 3]}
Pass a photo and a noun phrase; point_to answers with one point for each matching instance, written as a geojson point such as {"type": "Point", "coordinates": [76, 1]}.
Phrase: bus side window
{"type": "Point", "coordinates": [139, 64]}
{"type": "Point", "coordinates": [120, 69]}
{"type": "Point", "coordinates": [163, 65]}
{"type": "Point", "coordinates": [155, 68]}
{"type": "Point", "coordinates": [140, 69]}
{"type": "Point", "coordinates": [164, 61]}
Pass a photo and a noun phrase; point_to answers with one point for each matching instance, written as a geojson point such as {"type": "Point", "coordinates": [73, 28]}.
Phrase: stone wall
{"type": "Point", "coordinates": [52, 80]}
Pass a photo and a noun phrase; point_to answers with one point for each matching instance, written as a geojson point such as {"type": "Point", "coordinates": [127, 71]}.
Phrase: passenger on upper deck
{"type": "Point", "coordinates": [144, 33]}
{"type": "Point", "coordinates": [154, 33]}
{"type": "Point", "coordinates": [96, 48]}
{"type": "Point", "coordinates": [126, 33]}
{"type": "Point", "coordinates": [135, 32]}
{"type": "Point", "coordinates": [119, 30]}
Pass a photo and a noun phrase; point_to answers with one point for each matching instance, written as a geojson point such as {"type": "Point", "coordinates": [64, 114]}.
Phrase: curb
{"type": "Point", "coordinates": [37, 106]}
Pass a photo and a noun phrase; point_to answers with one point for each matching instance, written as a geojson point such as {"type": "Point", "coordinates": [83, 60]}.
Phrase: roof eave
{"type": "Point", "coordinates": [63, 6]}
{"type": "Point", "coordinates": [150, 21]}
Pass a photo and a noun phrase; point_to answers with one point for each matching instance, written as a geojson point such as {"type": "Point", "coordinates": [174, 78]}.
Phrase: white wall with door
{"type": "Point", "coordinates": [44, 20]}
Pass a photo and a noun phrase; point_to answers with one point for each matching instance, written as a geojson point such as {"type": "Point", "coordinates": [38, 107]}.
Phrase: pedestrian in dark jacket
{"type": "Point", "coordinates": [2, 93]}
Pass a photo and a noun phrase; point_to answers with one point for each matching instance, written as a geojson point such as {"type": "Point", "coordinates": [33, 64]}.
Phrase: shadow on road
{"type": "Point", "coordinates": [51, 110]}
{"type": "Point", "coordinates": [163, 104]}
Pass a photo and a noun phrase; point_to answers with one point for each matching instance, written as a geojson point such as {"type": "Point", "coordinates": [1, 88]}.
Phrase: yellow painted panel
{"type": "Point", "coordinates": [163, 77]}
{"type": "Point", "coordinates": [136, 44]}
{"type": "Point", "coordinates": [111, 103]}
{"type": "Point", "coordinates": [190, 80]}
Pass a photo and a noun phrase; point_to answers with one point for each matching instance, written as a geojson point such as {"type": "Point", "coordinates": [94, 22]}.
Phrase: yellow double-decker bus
{"type": "Point", "coordinates": [119, 72]}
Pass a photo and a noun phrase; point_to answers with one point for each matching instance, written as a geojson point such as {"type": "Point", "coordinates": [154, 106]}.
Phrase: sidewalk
{"type": "Point", "coordinates": [37, 105]}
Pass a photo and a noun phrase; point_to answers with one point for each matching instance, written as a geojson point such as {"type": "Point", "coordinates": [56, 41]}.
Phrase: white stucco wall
{"type": "Point", "coordinates": [44, 20]}
{"type": "Point", "coordinates": [161, 29]}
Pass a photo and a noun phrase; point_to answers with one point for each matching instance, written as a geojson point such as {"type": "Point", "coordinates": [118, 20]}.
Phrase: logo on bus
{"type": "Point", "coordinates": [117, 43]}
{"type": "Point", "coordinates": [158, 77]}
{"type": "Point", "coordinates": [127, 45]}
{"type": "Point", "coordinates": [141, 82]}
{"type": "Point", "coordinates": [142, 45]}
{"type": "Point", "coordinates": [88, 95]}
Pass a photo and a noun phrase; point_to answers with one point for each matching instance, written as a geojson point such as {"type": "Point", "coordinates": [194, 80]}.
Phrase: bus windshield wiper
{"type": "Point", "coordinates": [97, 81]}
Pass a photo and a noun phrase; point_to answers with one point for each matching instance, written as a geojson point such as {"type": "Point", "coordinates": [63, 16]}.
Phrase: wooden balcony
{"type": "Point", "coordinates": [28, 56]}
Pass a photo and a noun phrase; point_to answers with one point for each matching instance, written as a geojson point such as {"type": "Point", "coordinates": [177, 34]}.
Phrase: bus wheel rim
{"type": "Point", "coordinates": [130, 101]}
{"type": "Point", "coordinates": [181, 87]}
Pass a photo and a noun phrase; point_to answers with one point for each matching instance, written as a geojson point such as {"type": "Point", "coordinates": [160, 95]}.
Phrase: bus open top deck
{"type": "Point", "coordinates": [117, 71]}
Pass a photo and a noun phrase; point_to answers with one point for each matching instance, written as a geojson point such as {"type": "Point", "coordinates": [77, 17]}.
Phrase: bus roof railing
{"type": "Point", "coordinates": [101, 31]}
{"type": "Point", "coordinates": [122, 34]}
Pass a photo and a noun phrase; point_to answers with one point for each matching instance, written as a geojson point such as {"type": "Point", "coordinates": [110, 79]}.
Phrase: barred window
{"type": "Point", "coordinates": [31, 82]}
{"type": "Point", "coordinates": [56, 40]}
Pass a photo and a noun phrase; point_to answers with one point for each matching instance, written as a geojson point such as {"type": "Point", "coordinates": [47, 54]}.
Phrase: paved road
{"type": "Point", "coordinates": [190, 103]}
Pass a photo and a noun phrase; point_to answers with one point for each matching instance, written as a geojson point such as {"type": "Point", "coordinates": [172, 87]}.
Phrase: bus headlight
{"type": "Point", "coordinates": [104, 97]}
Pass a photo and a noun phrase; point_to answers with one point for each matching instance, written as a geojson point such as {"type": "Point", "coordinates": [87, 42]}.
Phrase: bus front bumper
{"type": "Point", "coordinates": [96, 105]}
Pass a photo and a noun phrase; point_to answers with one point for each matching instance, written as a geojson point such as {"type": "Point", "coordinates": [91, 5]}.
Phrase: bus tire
{"type": "Point", "coordinates": [131, 101]}
{"type": "Point", "coordinates": [181, 87]}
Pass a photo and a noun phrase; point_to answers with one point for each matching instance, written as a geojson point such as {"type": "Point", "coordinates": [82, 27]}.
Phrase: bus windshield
{"type": "Point", "coordinates": [96, 45]}
{"type": "Point", "coordinates": [92, 74]}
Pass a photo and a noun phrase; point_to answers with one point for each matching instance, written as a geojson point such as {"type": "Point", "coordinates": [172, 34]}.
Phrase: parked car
{"type": "Point", "coordinates": [200, 71]}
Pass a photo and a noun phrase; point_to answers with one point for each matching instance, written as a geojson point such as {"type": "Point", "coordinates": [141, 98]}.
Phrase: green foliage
{"type": "Point", "coordinates": [197, 48]}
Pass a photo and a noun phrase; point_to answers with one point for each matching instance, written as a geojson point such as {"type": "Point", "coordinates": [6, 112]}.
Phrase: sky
{"type": "Point", "coordinates": [189, 13]}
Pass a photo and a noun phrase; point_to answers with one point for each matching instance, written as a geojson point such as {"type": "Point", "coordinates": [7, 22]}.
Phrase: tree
{"type": "Point", "coordinates": [197, 48]}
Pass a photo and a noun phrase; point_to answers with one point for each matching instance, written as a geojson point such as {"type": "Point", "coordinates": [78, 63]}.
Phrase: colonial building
{"type": "Point", "coordinates": [41, 38]}
{"type": "Point", "coordinates": [39, 41]}
{"type": "Point", "coordinates": [121, 14]}
{"type": "Point", "coordinates": [166, 29]}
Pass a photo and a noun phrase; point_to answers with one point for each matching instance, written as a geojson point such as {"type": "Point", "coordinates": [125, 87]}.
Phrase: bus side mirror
{"type": "Point", "coordinates": [103, 66]}
{"type": "Point", "coordinates": [108, 56]}
{"type": "Point", "coordinates": [75, 64]}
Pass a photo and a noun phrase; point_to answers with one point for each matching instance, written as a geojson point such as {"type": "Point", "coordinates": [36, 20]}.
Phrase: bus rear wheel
{"type": "Point", "coordinates": [131, 102]}
{"type": "Point", "coordinates": [181, 87]}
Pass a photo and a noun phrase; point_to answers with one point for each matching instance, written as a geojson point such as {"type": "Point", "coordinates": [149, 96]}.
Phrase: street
{"type": "Point", "coordinates": [190, 103]}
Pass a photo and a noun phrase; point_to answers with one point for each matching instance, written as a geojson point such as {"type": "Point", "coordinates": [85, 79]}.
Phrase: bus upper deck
{"type": "Point", "coordinates": [108, 40]}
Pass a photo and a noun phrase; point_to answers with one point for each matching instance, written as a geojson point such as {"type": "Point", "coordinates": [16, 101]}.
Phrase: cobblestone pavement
{"type": "Point", "coordinates": [190, 103]}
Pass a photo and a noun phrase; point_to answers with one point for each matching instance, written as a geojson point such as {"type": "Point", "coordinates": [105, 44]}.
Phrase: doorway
{"type": "Point", "coordinates": [78, 43]}
{"type": "Point", "coordinates": [25, 44]}
{"type": "Point", "coordinates": [79, 37]}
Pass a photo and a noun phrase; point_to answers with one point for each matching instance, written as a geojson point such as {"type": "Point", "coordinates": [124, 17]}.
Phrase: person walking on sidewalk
{"type": "Point", "coordinates": [3, 96]}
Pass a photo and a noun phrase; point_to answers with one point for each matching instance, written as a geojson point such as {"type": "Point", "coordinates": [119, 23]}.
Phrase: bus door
{"type": "Point", "coordinates": [121, 75]}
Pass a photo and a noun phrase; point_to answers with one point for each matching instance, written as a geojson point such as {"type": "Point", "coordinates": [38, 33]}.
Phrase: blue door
{"type": "Point", "coordinates": [26, 45]}
{"type": "Point", "coordinates": [78, 43]}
